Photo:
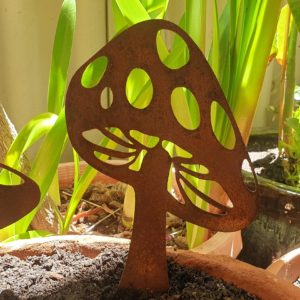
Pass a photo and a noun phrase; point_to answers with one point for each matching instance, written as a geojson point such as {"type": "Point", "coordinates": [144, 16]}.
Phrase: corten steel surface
{"type": "Point", "coordinates": [136, 48]}
{"type": "Point", "coordinates": [16, 201]}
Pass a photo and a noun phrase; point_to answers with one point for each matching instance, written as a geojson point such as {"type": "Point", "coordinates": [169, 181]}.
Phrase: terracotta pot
{"type": "Point", "coordinates": [276, 229]}
{"type": "Point", "coordinates": [287, 267]}
{"type": "Point", "coordinates": [66, 174]}
{"type": "Point", "coordinates": [222, 243]}
{"type": "Point", "coordinates": [261, 283]}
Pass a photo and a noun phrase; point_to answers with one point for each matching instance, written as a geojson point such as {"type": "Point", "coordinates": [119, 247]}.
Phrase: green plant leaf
{"type": "Point", "coordinates": [279, 41]}
{"type": "Point", "coordinates": [288, 85]}
{"type": "Point", "coordinates": [127, 13]}
{"type": "Point", "coordinates": [295, 8]}
{"type": "Point", "coordinates": [76, 168]}
{"type": "Point", "coordinates": [61, 54]}
{"type": "Point", "coordinates": [293, 123]}
{"type": "Point", "coordinates": [43, 169]}
{"type": "Point", "coordinates": [94, 72]}
{"type": "Point", "coordinates": [215, 44]}
{"type": "Point", "coordinates": [84, 182]}
{"type": "Point", "coordinates": [195, 21]}
{"type": "Point", "coordinates": [133, 11]}
{"type": "Point", "coordinates": [155, 8]}
{"type": "Point", "coordinates": [53, 190]}
{"type": "Point", "coordinates": [82, 185]}
{"type": "Point", "coordinates": [28, 235]}
{"type": "Point", "coordinates": [34, 130]}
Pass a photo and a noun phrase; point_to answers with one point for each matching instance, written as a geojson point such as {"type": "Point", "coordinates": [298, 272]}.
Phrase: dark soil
{"type": "Point", "coordinates": [262, 142]}
{"type": "Point", "coordinates": [268, 163]}
{"type": "Point", "coordinates": [66, 275]}
{"type": "Point", "coordinates": [265, 157]}
{"type": "Point", "coordinates": [276, 229]}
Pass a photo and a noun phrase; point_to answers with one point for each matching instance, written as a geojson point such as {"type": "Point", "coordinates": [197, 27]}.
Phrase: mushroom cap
{"type": "Point", "coordinates": [136, 48]}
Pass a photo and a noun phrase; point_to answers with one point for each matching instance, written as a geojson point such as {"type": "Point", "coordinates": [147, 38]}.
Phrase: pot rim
{"type": "Point", "coordinates": [281, 188]}
{"type": "Point", "coordinates": [287, 266]}
{"type": "Point", "coordinates": [256, 281]}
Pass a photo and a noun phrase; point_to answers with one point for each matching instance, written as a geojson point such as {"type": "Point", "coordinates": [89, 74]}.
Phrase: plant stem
{"type": "Point", "coordinates": [283, 75]}
{"type": "Point", "coordinates": [289, 87]}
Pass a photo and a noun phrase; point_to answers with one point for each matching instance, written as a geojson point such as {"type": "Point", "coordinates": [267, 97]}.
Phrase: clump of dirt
{"type": "Point", "coordinates": [269, 163]}
{"type": "Point", "coordinates": [100, 212]}
{"type": "Point", "coordinates": [271, 167]}
{"type": "Point", "coordinates": [66, 275]}
{"type": "Point", "coordinates": [258, 143]}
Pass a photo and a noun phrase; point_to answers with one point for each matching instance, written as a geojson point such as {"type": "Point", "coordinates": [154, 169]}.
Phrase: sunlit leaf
{"type": "Point", "coordinates": [61, 54]}
{"type": "Point", "coordinates": [94, 72]}
{"type": "Point", "coordinates": [35, 129]}
{"type": "Point", "coordinates": [47, 159]}
{"type": "Point", "coordinates": [295, 8]}
{"type": "Point", "coordinates": [28, 235]}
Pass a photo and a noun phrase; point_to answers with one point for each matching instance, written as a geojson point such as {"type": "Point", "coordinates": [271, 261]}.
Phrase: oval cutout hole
{"type": "Point", "coordinates": [97, 137]}
{"type": "Point", "coordinates": [137, 164]}
{"type": "Point", "coordinates": [139, 88]}
{"type": "Point", "coordinates": [185, 108]}
{"type": "Point", "coordinates": [94, 136]}
{"type": "Point", "coordinates": [113, 160]}
{"type": "Point", "coordinates": [94, 72]}
{"type": "Point", "coordinates": [221, 126]}
{"type": "Point", "coordinates": [200, 169]}
{"type": "Point", "coordinates": [195, 200]}
{"type": "Point", "coordinates": [211, 189]}
{"type": "Point", "coordinates": [106, 98]}
{"type": "Point", "coordinates": [174, 150]}
{"type": "Point", "coordinates": [149, 141]}
{"type": "Point", "coordinates": [172, 49]}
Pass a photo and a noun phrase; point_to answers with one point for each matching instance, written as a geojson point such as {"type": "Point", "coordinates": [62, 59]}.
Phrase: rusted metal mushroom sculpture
{"type": "Point", "coordinates": [16, 201]}
{"type": "Point", "coordinates": [136, 48]}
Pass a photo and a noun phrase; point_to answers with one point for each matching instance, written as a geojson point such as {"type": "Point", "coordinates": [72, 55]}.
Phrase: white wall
{"type": "Point", "coordinates": [27, 31]}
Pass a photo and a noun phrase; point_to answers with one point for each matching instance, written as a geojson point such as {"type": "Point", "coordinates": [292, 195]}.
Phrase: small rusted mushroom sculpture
{"type": "Point", "coordinates": [16, 201]}
{"type": "Point", "coordinates": [136, 48]}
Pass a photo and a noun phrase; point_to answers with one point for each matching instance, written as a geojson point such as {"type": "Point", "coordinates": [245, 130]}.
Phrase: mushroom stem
{"type": "Point", "coordinates": [146, 267]}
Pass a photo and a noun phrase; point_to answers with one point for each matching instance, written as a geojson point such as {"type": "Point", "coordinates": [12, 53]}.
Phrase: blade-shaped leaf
{"type": "Point", "coordinates": [47, 159]}
{"type": "Point", "coordinates": [61, 54]}
{"type": "Point", "coordinates": [35, 129]}
{"type": "Point", "coordinates": [28, 235]}
{"type": "Point", "coordinates": [295, 8]}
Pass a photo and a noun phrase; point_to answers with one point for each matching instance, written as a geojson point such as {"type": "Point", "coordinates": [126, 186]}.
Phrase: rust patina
{"type": "Point", "coordinates": [16, 201]}
{"type": "Point", "coordinates": [136, 48]}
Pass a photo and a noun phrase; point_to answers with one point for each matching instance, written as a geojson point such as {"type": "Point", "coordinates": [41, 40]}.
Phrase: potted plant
{"type": "Point", "coordinates": [151, 265]}
{"type": "Point", "coordinates": [239, 69]}
{"type": "Point", "coordinates": [276, 229]}
{"type": "Point", "coordinates": [135, 141]}
{"type": "Point", "coordinates": [254, 280]}
{"type": "Point", "coordinates": [124, 17]}
{"type": "Point", "coordinates": [51, 125]}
